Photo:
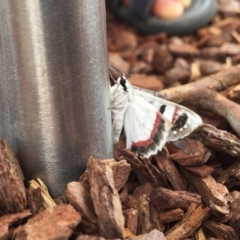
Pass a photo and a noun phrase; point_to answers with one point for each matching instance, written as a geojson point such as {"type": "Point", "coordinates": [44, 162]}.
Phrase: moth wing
{"type": "Point", "coordinates": [117, 125]}
{"type": "Point", "coordinates": [182, 121]}
{"type": "Point", "coordinates": [119, 104]}
{"type": "Point", "coordinates": [144, 126]}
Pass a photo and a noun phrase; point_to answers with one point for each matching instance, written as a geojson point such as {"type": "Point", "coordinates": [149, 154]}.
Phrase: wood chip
{"type": "Point", "coordinates": [47, 199]}
{"type": "Point", "coordinates": [172, 215]}
{"type": "Point", "coordinates": [190, 152]}
{"type": "Point", "coordinates": [121, 171]}
{"type": "Point", "coordinates": [235, 210]}
{"type": "Point", "coordinates": [78, 194]}
{"type": "Point", "coordinates": [35, 200]}
{"type": "Point", "coordinates": [12, 194]}
{"type": "Point", "coordinates": [168, 169]}
{"type": "Point", "coordinates": [55, 223]}
{"type": "Point", "coordinates": [183, 50]}
{"type": "Point", "coordinates": [176, 75]}
{"type": "Point", "coordinates": [8, 220]}
{"type": "Point", "coordinates": [131, 220]}
{"type": "Point", "coordinates": [215, 195]}
{"type": "Point", "coordinates": [220, 140]}
{"type": "Point", "coordinates": [105, 199]}
{"type": "Point", "coordinates": [160, 54]}
{"type": "Point", "coordinates": [190, 222]}
{"type": "Point", "coordinates": [202, 171]}
{"type": "Point", "coordinates": [151, 82]}
{"type": "Point", "coordinates": [220, 230]}
{"type": "Point", "coordinates": [144, 214]}
{"type": "Point", "coordinates": [166, 199]}
{"type": "Point", "coordinates": [144, 166]}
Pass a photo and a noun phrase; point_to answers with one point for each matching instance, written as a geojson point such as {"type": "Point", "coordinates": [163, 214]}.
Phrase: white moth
{"type": "Point", "coordinates": [148, 121]}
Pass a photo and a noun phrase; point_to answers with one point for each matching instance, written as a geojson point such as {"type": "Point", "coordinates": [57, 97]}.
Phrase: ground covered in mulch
{"type": "Point", "coordinates": [189, 190]}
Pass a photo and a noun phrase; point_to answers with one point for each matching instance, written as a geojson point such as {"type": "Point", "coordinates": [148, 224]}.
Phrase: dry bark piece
{"type": "Point", "coordinates": [78, 194]}
{"type": "Point", "coordinates": [172, 215]}
{"type": "Point", "coordinates": [220, 140]}
{"type": "Point", "coordinates": [127, 200]}
{"type": "Point", "coordinates": [154, 218]}
{"type": "Point", "coordinates": [141, 67]}
{"type": "Point", "coordinates": [131, 202]}
{"type": "Point", "coordinates": [169, 170]}
{"type": "Point", "coordinates": [163, 198]}
{"type": "Point", "coordinates": [118, 62]}
{"type": "Point", "coordinates": [183, 50]}
{"type": "Point", "coordinates": [53, 223]}
{"type": "Point", "coordinates": [153, 235]}
{"type": "Point", "coordinates": [8, 220]}
{"type": "Point", "coordinates": [143, 166]}
{"type": "Point", "coordinates": [151, 82]}
{"type": "Point", "coordinates": [199, 235]}
{"type": "Point", "coordinates": [148, 217]}
{"type": "Point", "coordinates": [144, 214]}
{"type": "Point", "coordinates": [234, 92]}
{"type": "Point", "coordinates": [212, 53]}
{"type": "Point", "coordinates": [121, 171]}
{"type": "Point", "coordinates": [220, 230]}
{"type": "Point", "coordinates": [190, 222]}
{"type": "Point", "coordinates": [215, 195]}
{"type": "Point", "coordinates": [230, 176]}
{"type": "Point", "coordinates": [162, 53]}
{"type": "Point", "coordinates": [234, 221]}
{"type": "Point", "coordinates": [146, 51]}
{"type": "Point", "coordinates": [47, 199]}
{"type": "Point", "coordinates": [126, 40]}
{"type": "Point", "coordinates": [35, 200]}
{"type": "Point", "coordinates": [181, 63]}
{"type": "Point", "coordinates": [105, 199]}
{"type": "Point", "coordinates": [201, 171]}
{"type": "Point", "coordinates": [12, 194]}
{"type": "Point", "coordinates": [190, 152]}
{"type": "Point", "coordinates": [131, 220]}
{"type": "Point", "coordinates": [173, 75]}
{"type": "Point", "coordinates": [146, 189]}
{"type": "Point", "coordinates": [90, 237]}
{"type": "Point", "coordinates": [209, 67]}
{"type": "Point", "coordinates": [214, 120]}
{"type": "Point", "coordinates": [230, 48]}
{"type": "Point", "coordinates": [195, 71]}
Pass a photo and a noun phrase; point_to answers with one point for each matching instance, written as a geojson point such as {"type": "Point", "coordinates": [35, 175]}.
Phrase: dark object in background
{"type": "Point", "coordinates": [138, 16]}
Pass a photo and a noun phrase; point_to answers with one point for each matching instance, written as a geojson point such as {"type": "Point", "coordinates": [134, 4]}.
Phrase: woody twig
{"type": "Point", "coordinates": [205, 94]}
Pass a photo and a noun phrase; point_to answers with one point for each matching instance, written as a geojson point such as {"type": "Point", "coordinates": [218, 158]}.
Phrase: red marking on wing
{"type": "Point", "coordinates": [175, 115]}
{"type": "Point", "coordinates": [147, 142]}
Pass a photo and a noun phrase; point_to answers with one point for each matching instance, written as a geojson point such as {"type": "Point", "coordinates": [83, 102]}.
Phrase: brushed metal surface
{"type": "Point", "coordinates": [54, 93]}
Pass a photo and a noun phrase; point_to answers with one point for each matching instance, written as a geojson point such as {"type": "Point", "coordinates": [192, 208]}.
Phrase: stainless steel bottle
{"type": "Point", "coordinates": [54, 93]}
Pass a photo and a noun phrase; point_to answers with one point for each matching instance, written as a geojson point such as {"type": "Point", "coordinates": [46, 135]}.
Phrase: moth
{"type": "Point", "coordinates": [148, 121]}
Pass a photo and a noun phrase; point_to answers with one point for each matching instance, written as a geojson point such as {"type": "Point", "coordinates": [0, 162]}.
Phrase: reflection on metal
{"type": "Point", "coordinates": [54, 93]}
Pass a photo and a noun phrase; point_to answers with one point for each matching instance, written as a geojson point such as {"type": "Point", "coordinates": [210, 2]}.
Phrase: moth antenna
{"type": "Point", "coordinates": [112, 78]}
{"type": "Point", "coordinates": [117, 70]}
{"type": "Point", "coordinates": [122, 78]}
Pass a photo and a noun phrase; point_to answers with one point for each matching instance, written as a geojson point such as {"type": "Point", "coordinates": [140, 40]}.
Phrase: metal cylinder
{"type": "Point", "coordinates": [54, 90]}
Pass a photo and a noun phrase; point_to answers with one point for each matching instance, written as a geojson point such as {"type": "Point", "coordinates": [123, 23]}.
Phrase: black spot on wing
{"type": "Point", "coordinates": [180, 122]}
{"type": "Point", "coordinates": [162, 109]}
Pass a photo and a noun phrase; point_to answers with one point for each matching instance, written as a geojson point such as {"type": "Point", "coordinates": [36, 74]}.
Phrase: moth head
{"type": "Point", "coordinates": [122, 80]}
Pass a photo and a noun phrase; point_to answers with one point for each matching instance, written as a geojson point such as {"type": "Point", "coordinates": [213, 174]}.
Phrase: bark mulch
{"type": "Point", "coordinates": [189, 190]}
